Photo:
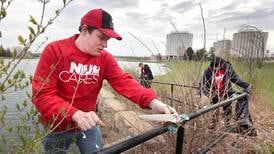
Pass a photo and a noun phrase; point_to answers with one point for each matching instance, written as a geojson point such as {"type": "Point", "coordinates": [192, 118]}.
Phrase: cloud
{"type": "Point", "coordinates": [183, 7]}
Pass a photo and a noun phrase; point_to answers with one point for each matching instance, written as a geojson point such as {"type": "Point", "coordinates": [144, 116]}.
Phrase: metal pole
{"type": "Point", "coordinates": [212, 107]}
{"type": "Point", "coordinates": [171, 93]}
{"type": "Point", "coordinates": [180, 140]}
{"type": "Point", "coordinates": [179, 85]}
{"type": "Point", "coordinates": [134, 141]}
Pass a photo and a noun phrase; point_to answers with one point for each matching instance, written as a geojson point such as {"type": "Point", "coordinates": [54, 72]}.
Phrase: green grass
{"type": "Point", "coordinates": [184, 72]}
{"type": "Point", "coordinates": [266, 81]}
{"type": "Point", "coordinates": [189, 73]}
{"type": "Point", "coordinates": [263, 79]}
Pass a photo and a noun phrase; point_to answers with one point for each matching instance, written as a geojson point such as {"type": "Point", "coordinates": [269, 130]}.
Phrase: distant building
{"type": "Point", "coordinates": [269, 54]}
{"type": "Point", "coordinates": [249, 42]}
{"type": "Point", "coordinates": [177, 43]}
{"type": "Point", "coordinates": [222, 47]}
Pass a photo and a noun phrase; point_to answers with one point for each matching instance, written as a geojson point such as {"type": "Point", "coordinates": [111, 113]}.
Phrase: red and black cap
{"type": "Point", "coordinates": [101, 20]}
{"type": "Point", "coordinates": [218, 62]}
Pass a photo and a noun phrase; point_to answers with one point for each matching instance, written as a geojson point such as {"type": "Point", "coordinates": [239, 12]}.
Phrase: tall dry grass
{"type": "Point", "coordinates": [197, 133]}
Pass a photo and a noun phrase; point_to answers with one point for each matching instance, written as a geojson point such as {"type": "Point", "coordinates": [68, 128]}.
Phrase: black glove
{"type": "Point", "coordinates": [248, 89]}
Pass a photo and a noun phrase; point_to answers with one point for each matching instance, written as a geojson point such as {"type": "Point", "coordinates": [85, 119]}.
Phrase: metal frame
{"type": "Point", "coordinates": [134, 141]}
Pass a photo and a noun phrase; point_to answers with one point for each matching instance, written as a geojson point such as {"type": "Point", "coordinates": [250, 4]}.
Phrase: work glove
{"type": "Point", "coordinates": [248, 89]}
{"type": "Point", "coordinates": [202, 101]}
{"type": "Point", "coordinates": [159, 107]}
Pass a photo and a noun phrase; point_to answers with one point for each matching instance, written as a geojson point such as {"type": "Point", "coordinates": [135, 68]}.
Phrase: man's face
{"type": "Point", "coordinates": [216, 69]}
{"type": "Point", "coordinates": [95, 42]}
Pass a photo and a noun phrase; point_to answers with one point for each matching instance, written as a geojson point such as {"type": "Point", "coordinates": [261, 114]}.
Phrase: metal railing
{"type": "Point", "coordinates": [175, 84]}
{"type": "Point", "coordinates": [134, 141]}
{"type": "Point", "coordinates": [172, 85]}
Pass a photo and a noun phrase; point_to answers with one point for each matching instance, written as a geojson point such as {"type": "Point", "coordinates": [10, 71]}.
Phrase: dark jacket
{"type": "Point", "coordinates": [229, 76]}
{"type": "Point", "coordinates": [149, 75]}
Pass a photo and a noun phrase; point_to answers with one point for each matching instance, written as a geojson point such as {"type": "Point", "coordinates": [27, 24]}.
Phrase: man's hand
{"type": "Point", "coordinates": [158, 107]}
{"type": "Point", "coordinates": [86, 120]}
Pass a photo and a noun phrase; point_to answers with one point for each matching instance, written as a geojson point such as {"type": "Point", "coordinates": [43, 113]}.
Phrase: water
{"type": "Point", "coordinates": [13, 97]}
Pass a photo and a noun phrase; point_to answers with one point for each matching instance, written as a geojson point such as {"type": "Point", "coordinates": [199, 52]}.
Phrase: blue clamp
{"type": "Point", "coordinates": [172, 128]}
{"type": "Point", "coordinates": [184, 118]}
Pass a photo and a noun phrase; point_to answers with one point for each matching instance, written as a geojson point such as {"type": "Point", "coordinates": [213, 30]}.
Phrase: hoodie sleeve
{"type": "Point", "coordinates": [236, 79]}
{"type": "Point", "coordinates": [205, 84]}
{"type": "Point", "coordinates": [45, 91]}
{"type": "Point", "coordinates": [125, 85]}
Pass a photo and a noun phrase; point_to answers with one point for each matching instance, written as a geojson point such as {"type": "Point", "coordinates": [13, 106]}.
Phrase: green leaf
{"type": "Point", "coordinates": [25, 103]}
{"type": "Point", "coordinates": [57, 12]}
{"type": "Point", "coordinates": [23, 139]}
{"type": "Point", "coordinates": [21, 40]}
{"type": "Point", "coordinates": [32, 20]}
{"type": "Point", "coordinates": [5, 109]}
{"type": "Point", "coordinates": [28, 94]}
{"type": "Point", "coordinates": [9, 129]}
{"type": "Point", "coordinates": [30, 77]}
{"type": "Point", "coordinates": [31, 30]}
{"type": "Point", "coordinates": [50, 21]}
{"type": "Point", "coordinates": [64, 2]}
{"type": "Point", "coordinates": [2, 87]}
{"type": "Point", "coordinates": [3, 13]}
{"type": "Point", "coordinates": [30, 37]}
{"type": "Point", "coordinates": [14, 54]}
{"type": "Point", "coordinates": [43, 30]}
{"type": "Point", "coordinates": [18, 107]}
{"type": "Point", "coordinates": [0, 33]}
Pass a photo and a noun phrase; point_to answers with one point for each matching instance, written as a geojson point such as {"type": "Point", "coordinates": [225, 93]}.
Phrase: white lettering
{"type": "Point", "coordinates": [75, 68]}
{"type": "Point", "coordinates": [82, 73]}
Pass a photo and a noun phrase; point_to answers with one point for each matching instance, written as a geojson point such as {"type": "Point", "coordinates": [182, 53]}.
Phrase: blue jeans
{"type": "Point", "coordinates": [89, 141]}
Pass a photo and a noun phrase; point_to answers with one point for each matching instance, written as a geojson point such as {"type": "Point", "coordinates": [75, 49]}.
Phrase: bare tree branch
{"type": "Point", "coordinates": [203, 25]}
{"type": "Point", "coordinates": [142, 43]}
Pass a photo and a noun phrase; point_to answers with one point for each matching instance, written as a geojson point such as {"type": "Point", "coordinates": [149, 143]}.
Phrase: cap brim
{"type": "Point", "coordinates": [110, 33]}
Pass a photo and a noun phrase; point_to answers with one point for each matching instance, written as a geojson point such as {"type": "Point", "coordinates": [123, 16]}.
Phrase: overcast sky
{"type": "Point", "coordinates": [149, 20]}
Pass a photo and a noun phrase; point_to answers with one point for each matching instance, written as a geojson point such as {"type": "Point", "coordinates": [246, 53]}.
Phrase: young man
{"type": "Point", "coordinates": [146, 75]}
{"type": "Point", "coordinates": [216, 84]}
{"type": "Point", "coordinates": [68, 79]}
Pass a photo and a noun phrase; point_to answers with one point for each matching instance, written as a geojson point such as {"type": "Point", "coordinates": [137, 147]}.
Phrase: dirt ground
{"type": "Point", "coordinates": [263, 119]}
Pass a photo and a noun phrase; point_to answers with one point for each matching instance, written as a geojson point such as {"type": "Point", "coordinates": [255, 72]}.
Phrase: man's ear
{"type": "Point", "coordinates": [84, 28]}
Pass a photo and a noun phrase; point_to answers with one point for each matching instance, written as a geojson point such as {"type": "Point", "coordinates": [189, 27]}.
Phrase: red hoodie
{"type": "Point", "coordinates": [56, 94]}
{"type": "Point", "coordinates": [219, 83]}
